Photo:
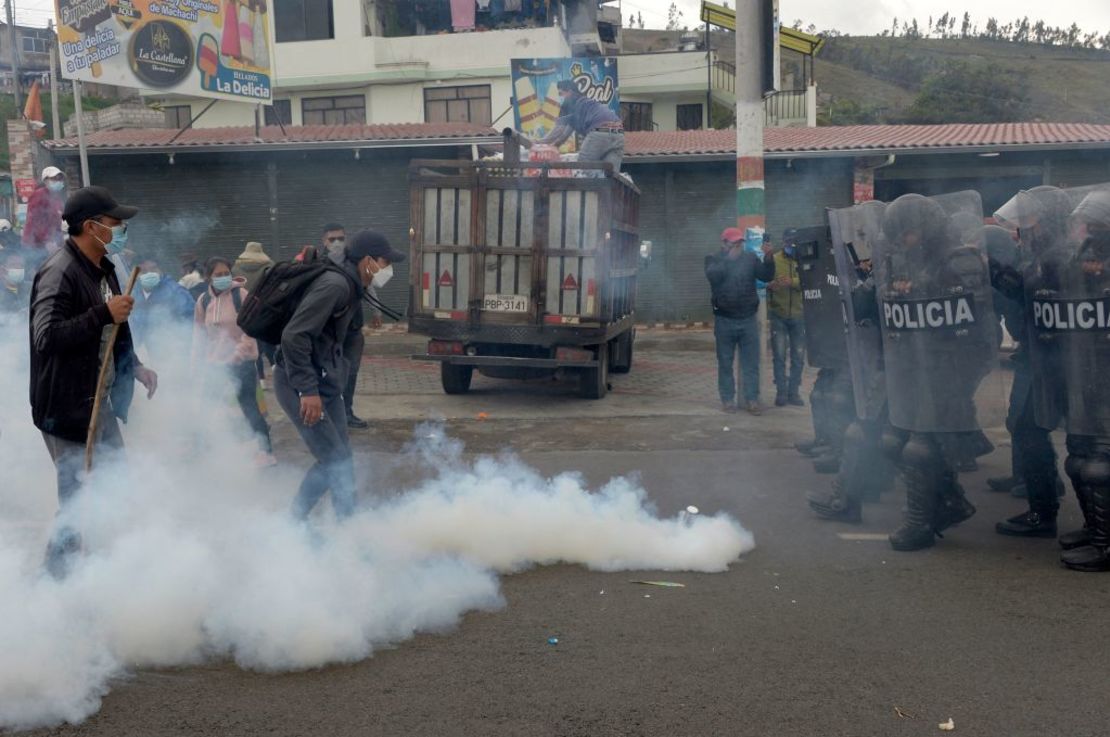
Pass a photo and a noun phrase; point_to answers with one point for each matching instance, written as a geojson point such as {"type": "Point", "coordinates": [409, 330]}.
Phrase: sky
{"type": "Point", "coordinates": [857, 16]}
{"type": "Point", "coordinates": [872, 16]}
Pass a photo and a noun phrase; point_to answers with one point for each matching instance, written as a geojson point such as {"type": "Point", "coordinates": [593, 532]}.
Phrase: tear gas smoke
{"type": "Point", "coordinates": [191, 554]}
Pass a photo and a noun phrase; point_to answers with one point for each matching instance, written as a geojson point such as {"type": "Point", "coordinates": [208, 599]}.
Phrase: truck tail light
{"type": "Point", "coordinates": [445, 348]}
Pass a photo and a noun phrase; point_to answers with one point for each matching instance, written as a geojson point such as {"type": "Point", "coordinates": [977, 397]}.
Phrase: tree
{"type": "Point", "coordinates": [674, 18]}
{"type": "Point", "coordinates": [970, 92]}
{"type": "Point", "coordinates": [965, 27]}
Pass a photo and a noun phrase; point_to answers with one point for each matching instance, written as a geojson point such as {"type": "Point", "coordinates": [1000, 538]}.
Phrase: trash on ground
{"type": "Point", "coordinates": [902, 714]}
{"type": "Point", "coordinates": [664, 584]}
{"type": "Point", "coordinates": [724, 429]}
{"type": "Point", "coordinates": [947, 726]}
{"type": "Point", "coordinates": [483, 415]}
{"type": "Point", "coordinates": [552, 640]}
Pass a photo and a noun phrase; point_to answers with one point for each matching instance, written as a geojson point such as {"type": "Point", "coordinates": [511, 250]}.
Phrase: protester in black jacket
{"type": "Point", "coordinates": [732, 274]}
{"type": "Point", "coordinates": [75, 301]}
{"type": "Point", "coordinates": [311, 372]}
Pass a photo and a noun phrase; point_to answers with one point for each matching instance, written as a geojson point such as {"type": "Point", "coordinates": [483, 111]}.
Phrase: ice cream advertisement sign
{"type": "Point", "coordinates": [204, 48]}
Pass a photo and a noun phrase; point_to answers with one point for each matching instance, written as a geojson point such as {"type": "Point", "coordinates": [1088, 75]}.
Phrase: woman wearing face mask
{"type": "Point", "coordinates": [225, 354]}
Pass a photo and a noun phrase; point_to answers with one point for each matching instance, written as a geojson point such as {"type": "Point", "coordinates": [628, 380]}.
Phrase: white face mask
{"type": "Point", "coordinates": [15, 276]}
{"type": "Point", "coordinates": [382, 277]}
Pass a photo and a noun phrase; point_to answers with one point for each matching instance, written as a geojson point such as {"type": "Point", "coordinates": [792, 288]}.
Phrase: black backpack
{"type": "Point", "coordinates": [274, 299]}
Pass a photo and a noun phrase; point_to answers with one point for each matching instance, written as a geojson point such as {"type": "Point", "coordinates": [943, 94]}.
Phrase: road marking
{"type": "Point", "coordinates": [867, 536]}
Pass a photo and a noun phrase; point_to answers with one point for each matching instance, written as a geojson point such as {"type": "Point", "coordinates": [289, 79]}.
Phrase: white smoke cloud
{"type": "Point", "coordinates": [191, 554]}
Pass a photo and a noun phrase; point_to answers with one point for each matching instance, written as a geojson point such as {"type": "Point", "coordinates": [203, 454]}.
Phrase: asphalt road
{"type": "Point", "coordinates": [809, 634]}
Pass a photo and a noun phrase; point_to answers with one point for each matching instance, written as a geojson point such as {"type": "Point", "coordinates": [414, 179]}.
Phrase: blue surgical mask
{"type": "Point", "coordinates": [150, 280]}
{"type": "Point", "coordinates": [15, 276]}
{"type": "Point", "coordinates": [221, 283]}
{"type": "Point", "coordinates": [119, 238]}
{"type": "Point", "coordinates": [55, 186]}
{"type": "Point", "coordinates": [788, 250]}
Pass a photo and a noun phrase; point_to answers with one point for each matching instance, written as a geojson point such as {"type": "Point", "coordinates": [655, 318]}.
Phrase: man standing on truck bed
{"type": "Point", "coordinates": [732, 273]}
{"type": "Point", "coordinates": [599, 127]}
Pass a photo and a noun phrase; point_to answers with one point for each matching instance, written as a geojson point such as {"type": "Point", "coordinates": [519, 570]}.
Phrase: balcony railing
{"type": "Point", "coordinates": [786, 108]}
{"type": "Point", "coordinates": [724, 76]}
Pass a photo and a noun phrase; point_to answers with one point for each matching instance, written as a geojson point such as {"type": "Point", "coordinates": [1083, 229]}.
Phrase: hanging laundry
{"type": "Point", "coordinates": [229, 41]}
{"type": "Point", "coordinates": [463, 14]}
{"type": "Point", "coordinates": [261, 50]}
{"type": "Point", "coordinates": [246, 34]}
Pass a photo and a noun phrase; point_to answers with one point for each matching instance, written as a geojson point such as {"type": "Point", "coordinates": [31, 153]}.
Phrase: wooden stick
{"type": "Point", "coordinates": [90, 441]}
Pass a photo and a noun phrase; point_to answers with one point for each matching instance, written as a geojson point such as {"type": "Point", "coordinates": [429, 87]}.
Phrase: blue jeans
{"type": "Point", "coordinates": [732, 333]}
{"type": "Point", "coordinates": [327, 440]}
{"type": "Point", "coordinates": [788, 334]}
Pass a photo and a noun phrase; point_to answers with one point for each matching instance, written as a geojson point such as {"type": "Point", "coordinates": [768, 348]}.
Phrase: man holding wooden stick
{"type": "Point", "coordinates": [80, 347]}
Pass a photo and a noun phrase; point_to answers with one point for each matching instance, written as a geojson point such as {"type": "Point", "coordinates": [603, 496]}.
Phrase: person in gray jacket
{"type": "Point", "coordinates": [311, 372]}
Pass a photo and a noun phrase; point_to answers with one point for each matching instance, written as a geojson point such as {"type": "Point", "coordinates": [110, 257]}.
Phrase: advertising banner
{"type": "Point", "coordinates": [203, 48]}
{"type": "Point", "coordinates": [536, 100]}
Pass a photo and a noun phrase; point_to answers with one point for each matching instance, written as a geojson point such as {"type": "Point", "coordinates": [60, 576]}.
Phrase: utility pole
{"type": "Point", "coordinates": [55, 116]}
{"type": "Point", "coordinates": [750, 200]}
{"type": "Point", "coordinates": [13, 49]}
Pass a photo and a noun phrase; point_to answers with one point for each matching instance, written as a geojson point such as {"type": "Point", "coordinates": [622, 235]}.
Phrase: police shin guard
{"type": "Point", "coordinates": [952, 505]}
{"type": "Point", "coordinates": [836, 505]}
{"type": "Point", "coordinates": [1095, 556]}
{"type": "Point", "coordinates": [1081, 537]}
{"type": "Point", "coordinates": [916, 532]}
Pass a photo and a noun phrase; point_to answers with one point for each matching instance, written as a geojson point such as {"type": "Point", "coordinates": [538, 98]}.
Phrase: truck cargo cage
{"type": "Point", "coordinates": [532, 254]}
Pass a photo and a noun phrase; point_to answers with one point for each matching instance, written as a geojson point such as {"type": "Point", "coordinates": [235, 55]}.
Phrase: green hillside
{"type": "Point", "coordinates": [877, 79]}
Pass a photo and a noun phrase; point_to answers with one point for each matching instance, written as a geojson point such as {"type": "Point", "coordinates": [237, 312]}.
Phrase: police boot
{"type": "Point", "coordinates": [952, 505]}
{"type": "Point", "coordinates": [1094, 557]}
{"type": "Point", "coordinates": [1081, 537]}
{"type": "Point", "coordinates": [836, 505]}
{"type": "Point", "coordinates": [916, 532]}
{"type": "Point", "coordinates": [810, 447]}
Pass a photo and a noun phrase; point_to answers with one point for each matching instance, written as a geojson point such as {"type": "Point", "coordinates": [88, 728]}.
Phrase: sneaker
{"type": "Point", "coordinates": [1029, 524]}
{"type": "Point", "coordinates": [780, 400]}
{"type": "Point", "coordinates": [754, 408]}
{"type": "Point", "coordinates": [795, 401]}
{"type": "Point", "coordinates": [264, 460]}
{"type": "Point", "coordinates": [357, 423]}
{"type": "Point", "coordinates": [1002, 483]}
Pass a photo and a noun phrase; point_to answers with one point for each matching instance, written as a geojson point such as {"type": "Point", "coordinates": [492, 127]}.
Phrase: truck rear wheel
{"type": "Point", "coordinates": [621, 352]}
{"type": "Point", "coordinates": [456, 379]}
{"type": "Point", "coordinates": [594, 382]}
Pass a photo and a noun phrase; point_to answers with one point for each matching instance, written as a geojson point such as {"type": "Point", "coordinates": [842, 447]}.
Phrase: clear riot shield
{"type": "Point", "coordinates": [935, 312]}
{"type": "Point", "coordinates": [1068, 293]}
{"type": "Point", "coordinates": [824, 320]}
{"type": "Point", "coordinates": [1038, 219]}
{"type": "Point", "coordinates": [854, 231]}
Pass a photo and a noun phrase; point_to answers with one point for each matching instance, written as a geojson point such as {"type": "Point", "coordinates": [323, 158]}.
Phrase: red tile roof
{"type": "Point", "coordinates": [157, 138]}
{"type": "Point", "coordinates": [870, 138]}
{"type": "Point", "coordinates": [778, 142]}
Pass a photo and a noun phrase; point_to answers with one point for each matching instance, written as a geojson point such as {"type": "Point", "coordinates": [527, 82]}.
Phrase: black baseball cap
{"type": "Point", "coordinates": [93, 202]}
{"type": "Point", "coordinates": [370, 243]}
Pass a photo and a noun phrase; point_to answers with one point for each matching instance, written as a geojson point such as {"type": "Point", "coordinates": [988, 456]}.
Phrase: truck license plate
{"type": "Point", "coordinates": [504, 303]}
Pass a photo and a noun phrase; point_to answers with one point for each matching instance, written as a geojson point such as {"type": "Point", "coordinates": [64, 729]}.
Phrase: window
{"type": "Point", "coordinates": [346, 110]}
{"type": "Point", "coordinates": [303, 20]}
{"type": "Point", "coordinates": [280, 113]}
{"type": "Point", "coordinates": [636, 116]}
{"type": "Point", "coordinates": [178, 116]}
{"type": "Point", "coordinates": [469, 104]}
{"type": "Point", "coordinates": [34, 42]}
{"type": "Point", "coordinates": [689, 117]}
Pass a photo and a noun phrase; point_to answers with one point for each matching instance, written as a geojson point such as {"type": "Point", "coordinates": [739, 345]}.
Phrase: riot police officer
{"type": "Point", "coordinates": [865, 472]}
{"type": "Point", "coordinates": [1068, 290]}
{"type": "Point", "coordinates": [1040, 218]}
{"type": "Point", "coordinates": [937, 321]}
